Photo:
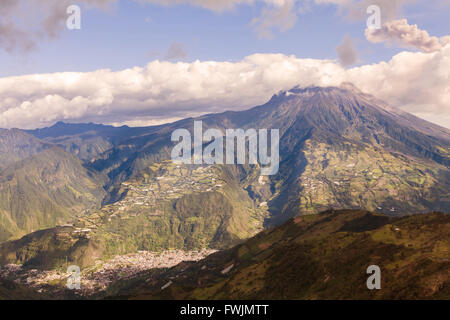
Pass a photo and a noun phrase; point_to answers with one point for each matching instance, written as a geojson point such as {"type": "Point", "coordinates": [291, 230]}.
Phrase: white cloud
{"type": "Point", "coordinates": [413, 81]}
{"type": "Point", "coordinates": [445, 40]}
{"type": "Point", "coordinates": [399, 32]}
{"type": "Point", "coordinates": [162, 91]}
{"type": "Point", "coordinates": [281, 16]}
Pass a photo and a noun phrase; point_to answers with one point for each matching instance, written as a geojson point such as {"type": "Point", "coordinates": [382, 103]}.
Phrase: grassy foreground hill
{"type": "Point", "coordinates": [322, 256]}
{"type": "Point", "coordinates": [13, 291]}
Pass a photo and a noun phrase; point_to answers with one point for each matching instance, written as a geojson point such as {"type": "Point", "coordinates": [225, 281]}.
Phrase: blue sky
{"type": "Point", "coordinates": [131, 34]}
{"type": "Point", "coordinates": [140, 62]}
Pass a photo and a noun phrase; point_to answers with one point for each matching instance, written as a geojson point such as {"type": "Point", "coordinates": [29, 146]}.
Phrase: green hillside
{"type": "Point", "coordinates": [322, 256]}
{"type": "Point", "coordinates": [168, 206]}
{"type": "Point", "coordinates": [348, 175]}
{"type": "Point", "coordinates": [47, 189]}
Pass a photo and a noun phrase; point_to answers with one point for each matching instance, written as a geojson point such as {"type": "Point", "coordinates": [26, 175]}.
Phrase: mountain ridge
{"type": "Point", "coordinates": [339, 148]}
{"type": "Point", "coordinates": [45, 189]}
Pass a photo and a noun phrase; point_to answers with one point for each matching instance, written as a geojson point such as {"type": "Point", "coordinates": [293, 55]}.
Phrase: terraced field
{"type": "Point", "coordinates": [168, 206]}
{"type": "Point", "coordinates": [353, 176]}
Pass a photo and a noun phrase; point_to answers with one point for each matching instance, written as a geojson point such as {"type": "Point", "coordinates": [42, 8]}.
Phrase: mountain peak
{"type": "Point", "coordinates": [344, 88]}
{"type": "Point", "coordinates": [59, 124]}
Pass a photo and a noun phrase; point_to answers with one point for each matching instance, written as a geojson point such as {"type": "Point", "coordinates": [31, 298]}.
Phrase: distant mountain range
{"type": "Point", "coordinates": [116, 191]}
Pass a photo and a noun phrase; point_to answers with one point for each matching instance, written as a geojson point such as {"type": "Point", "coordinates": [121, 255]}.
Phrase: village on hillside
{"type": "Point", "coordinates": [145, 194]}
{"type": "Point", "coordinates": [100, 276]}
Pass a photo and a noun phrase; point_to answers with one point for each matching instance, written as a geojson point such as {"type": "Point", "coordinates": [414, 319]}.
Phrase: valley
{"type": "Point", "coordinates": [99, 277]}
